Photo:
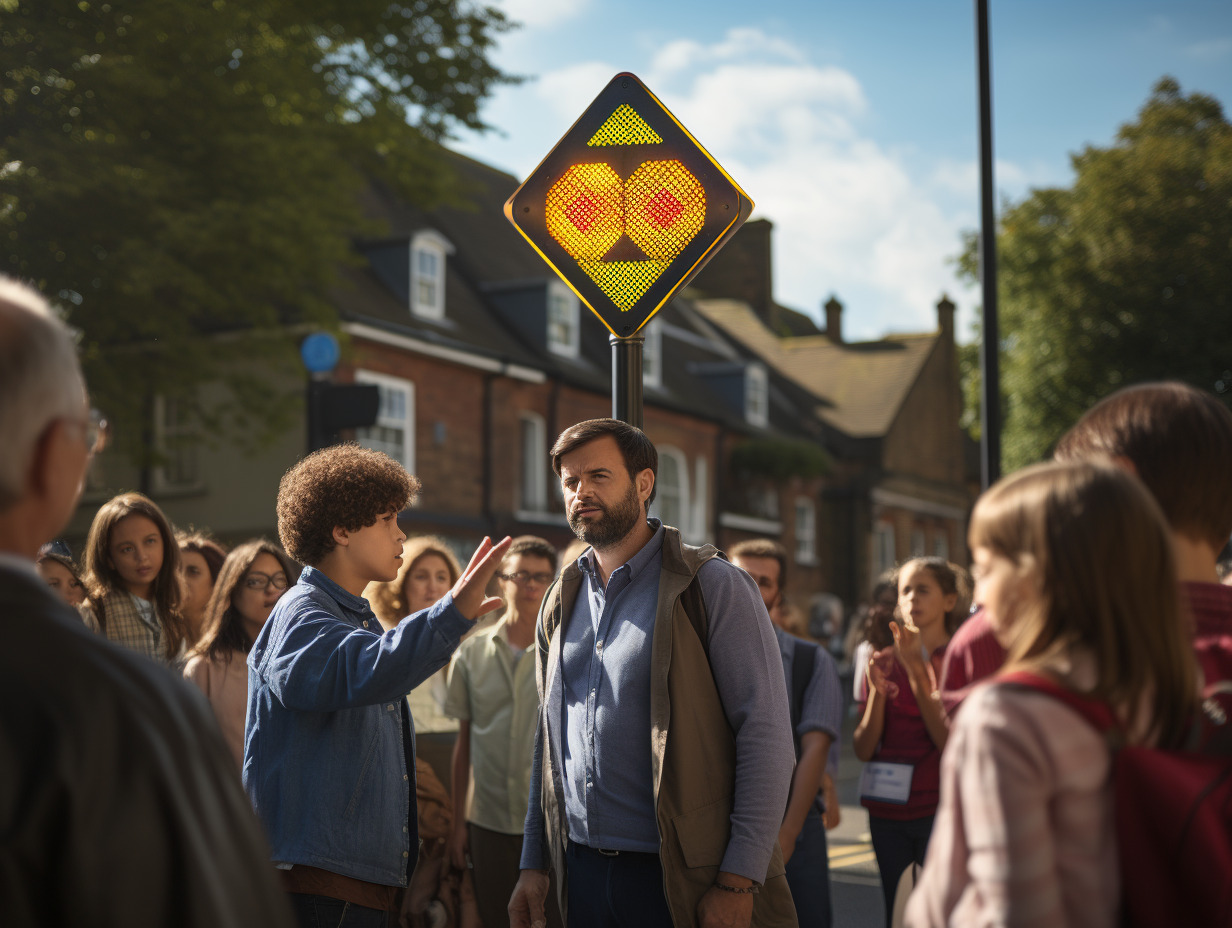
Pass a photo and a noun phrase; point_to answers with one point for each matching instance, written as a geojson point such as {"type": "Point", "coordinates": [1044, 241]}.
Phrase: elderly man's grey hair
{"type": "Point", "coordinates": [40, 380]}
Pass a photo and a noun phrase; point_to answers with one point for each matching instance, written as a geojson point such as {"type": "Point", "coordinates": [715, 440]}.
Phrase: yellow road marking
{"type": "Point", "coordinates": [849, 850]}
{"type": "Point", "coordinates": [853, 861]}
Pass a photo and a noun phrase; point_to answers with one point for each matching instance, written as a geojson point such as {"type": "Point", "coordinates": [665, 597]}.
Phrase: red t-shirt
{"type": "Point", "coordinates": [974, 654]}
{"type": "Point", "coordinates": [905, 740]}
{"type": "Point", "coordinates": [1211, 607]}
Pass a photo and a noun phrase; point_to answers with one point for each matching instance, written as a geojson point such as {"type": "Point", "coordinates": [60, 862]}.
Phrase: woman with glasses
{"type": "Point", "coordinates": [252, 578]}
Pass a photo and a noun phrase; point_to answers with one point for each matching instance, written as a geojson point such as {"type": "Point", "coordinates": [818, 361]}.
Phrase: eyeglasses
{"type": "Point", "coordinates": [259, 581]}
{"type": "Point", "coordinates": [524, 576]}
{"type": "Point", "coordinates": [94, 430]}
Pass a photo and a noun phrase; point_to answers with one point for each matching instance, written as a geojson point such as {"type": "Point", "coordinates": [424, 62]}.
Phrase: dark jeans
{"type": "Point", "coordinates": [624, 891]}
{"type": "Point", "coordinates": [808, 874]}
{"type": "Point", "coordinates": [897, 845]}
{"type": "Point", "coordinates": [324, 912]}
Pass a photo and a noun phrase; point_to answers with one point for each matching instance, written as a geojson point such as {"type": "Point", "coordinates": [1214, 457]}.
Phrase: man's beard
{"type": "Point", "coordinates": [613, 526]}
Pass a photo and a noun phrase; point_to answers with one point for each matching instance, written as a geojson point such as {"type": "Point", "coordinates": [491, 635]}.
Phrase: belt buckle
{"type": "Point", "coordinates": [607, 853]}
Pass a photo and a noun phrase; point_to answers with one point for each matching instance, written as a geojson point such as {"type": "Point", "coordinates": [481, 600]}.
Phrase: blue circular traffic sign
{"type": "Point", "coordinates": [319, 352]}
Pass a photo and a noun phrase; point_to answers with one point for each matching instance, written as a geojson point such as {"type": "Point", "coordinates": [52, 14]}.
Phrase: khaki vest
{"type": "Point", "coordinates": [693, 749]}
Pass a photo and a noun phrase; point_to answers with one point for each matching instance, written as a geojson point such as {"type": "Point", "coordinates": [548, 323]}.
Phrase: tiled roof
{"type": "Point", "coordinates": [862, 385]}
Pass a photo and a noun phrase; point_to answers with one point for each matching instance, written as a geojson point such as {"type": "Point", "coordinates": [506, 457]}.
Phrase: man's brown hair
{"type": "Point", "coordinates": [762, 547]}
{"type": "Point", "coordinates": [638, 451]}
{"type": "Point", "coordinates": [343, 486]}
{"type": "Point", "coordinates": [532, 545]}
{"type": "Point", "coordinates": [1179, 440]}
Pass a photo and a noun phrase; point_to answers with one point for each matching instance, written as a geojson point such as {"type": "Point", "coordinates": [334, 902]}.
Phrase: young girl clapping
{"type": "Point", "coordinates": [902, 728]}
{"type": "Point", "coordinates": [1075, 570]}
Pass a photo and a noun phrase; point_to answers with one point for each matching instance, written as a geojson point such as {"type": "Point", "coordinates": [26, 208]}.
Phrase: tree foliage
{"type": "Point", "coordinates": [173, 170]}
{"type": "Point", "coordinates": [1124, 276]}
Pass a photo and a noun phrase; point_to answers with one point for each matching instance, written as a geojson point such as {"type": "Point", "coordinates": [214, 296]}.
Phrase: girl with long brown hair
{"type": "Point", "coordinates": [252, 579]}
{"type": "Point", "coordinates": [132, 578]}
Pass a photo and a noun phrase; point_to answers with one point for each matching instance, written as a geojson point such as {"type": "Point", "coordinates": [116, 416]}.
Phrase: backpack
{"type": "Point", "coordinates": [1173, 812]}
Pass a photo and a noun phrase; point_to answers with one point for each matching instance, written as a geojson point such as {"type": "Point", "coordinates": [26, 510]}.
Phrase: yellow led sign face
{"type": "Point", "coordinates": [625, 127]}
{"type": "Point", "coordinates": [628, 207]}
{"type": "Point", "coordinates": [660, 208]}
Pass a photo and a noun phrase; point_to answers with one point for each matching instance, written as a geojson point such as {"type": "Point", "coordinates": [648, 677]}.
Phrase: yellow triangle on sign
{"type": "Point", "coordinates": [625, 127]}
{"type": "Point", "coordinates": [624, 282]}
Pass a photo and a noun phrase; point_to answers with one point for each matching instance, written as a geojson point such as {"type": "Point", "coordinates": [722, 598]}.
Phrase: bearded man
{"type": "Point", "coordinates": [663, 755]}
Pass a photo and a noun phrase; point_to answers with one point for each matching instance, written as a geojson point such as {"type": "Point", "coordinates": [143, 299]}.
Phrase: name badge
{"type": "Point", "coordinates": [887, 782]}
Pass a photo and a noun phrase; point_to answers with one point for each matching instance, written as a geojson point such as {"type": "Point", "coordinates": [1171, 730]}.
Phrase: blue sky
{"type": "Point", "coordinates": [853, 125]}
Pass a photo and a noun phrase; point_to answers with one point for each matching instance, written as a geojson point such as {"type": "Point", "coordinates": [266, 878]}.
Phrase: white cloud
{"type": "Point", "coordinates": [874, 225]}
{"type": "Point", "coordinates": [1210, 50]}
{"type": "Point", "coordinates": [541, 12]}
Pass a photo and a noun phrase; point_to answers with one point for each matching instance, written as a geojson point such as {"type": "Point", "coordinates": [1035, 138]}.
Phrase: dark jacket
{"type": "Point", "coordinates": [119, 803]}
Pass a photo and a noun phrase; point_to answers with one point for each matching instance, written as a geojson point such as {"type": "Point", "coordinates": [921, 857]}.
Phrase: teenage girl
{"type": "Point", "coordinates": [1075, 572]}
{"type": "Point", "coordinates": [252, 579]}
{"type": "Point", "coordinates": [902, 728]}
{"type": "Point", "coordinates": [132, 578]}
{"type": "Point", "coordinates": [201, 559]}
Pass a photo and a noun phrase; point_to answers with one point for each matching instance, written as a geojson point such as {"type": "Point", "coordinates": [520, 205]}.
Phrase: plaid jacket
{"type": "Point", "coordinates": [116, 616]}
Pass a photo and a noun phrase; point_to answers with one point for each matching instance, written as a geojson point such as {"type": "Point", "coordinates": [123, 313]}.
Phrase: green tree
{"type": "Point", "coordinates": [1124, 276]}
{"type": "Point", "coordinates": [185, 179]}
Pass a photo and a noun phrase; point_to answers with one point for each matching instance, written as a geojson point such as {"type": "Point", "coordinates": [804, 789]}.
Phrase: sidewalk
{"type": "Point", "coordinates": [854, 883]}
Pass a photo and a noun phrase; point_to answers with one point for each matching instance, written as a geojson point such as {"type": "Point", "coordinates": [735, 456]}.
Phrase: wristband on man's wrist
{"type": "Point", "coordinates": [751, 889]}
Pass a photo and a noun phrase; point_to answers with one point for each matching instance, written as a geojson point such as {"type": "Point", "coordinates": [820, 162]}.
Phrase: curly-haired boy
{"type": "Point", "coordinates": [328, 745]}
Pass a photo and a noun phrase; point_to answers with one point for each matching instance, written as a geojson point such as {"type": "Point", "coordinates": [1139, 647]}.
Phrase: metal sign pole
{"type": "Point", "coordinates": [990, 343]}
{"type": "Point", "coordinates": [627, 378]}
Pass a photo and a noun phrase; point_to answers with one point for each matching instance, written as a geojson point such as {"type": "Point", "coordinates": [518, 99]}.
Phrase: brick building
{"type": "Point", "coordinates": [849, 454]}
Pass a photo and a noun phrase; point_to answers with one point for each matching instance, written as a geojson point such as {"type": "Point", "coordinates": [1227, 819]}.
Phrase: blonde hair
{"type": "Point", "coordinates": [1097, 547]}
{"type": "Point", "coordinates": [388, 598]}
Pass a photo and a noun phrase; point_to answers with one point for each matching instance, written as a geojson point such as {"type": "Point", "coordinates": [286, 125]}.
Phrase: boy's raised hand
{"type": "Point", "coordinates": [470, 593]}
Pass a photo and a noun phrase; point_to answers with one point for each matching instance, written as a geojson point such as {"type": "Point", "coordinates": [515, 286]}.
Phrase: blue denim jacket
{"type": "Point", "coordinates": [324, 762]}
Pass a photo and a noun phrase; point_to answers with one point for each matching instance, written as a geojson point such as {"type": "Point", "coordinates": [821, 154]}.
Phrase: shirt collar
{"type": "Point", "coordinates": [348, 601]}
{"type": "Point", "coordinates": [636, 564]}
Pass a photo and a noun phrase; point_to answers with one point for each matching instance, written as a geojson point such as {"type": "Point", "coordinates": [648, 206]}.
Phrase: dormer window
{"type": "Point", "coordinates": [756, 396]}
{"type": "Point", "coordinates": [563, 312]}
{"type": "Point", "coordinates": [429, 250]}
{"type": "Point", "coordinates": [652, 354]}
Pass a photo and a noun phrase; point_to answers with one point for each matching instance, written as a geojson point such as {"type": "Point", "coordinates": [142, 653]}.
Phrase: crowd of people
{"type": "Point", "coordinates": [642, 739]}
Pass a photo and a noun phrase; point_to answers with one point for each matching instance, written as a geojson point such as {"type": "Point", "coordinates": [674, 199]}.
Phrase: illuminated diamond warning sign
{"type": "Point", "coordinates": [627, 207]}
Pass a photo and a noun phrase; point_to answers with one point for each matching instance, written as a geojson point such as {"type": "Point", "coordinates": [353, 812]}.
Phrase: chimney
{"type": "Point", "coordinates": [945, 317]}
{"type": "Point", "coordinates": [834, 320]}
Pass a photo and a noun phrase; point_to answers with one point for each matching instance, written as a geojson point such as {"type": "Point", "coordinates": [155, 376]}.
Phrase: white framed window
{"type": "Point", "coordinates": [941, 544]}
{"type": "Point", "coordinates": [394, 431]}
{"type": "Point", "coordinates": [756, 395]}
{"type": "Point", "coordinates": [176, 447]}
{"type": "Point", "coordinates": [917, 542]}
{"type": "Point", "coordinates": [563, 324]}
{"type": "Point", "coordinates": [533, 492]}
{"type": "Point", "coordinates": [699, 530]}
{"type": "Point", "coordinates": [806, 530]}
{"type": "Point", "coordinates": [652, 354]}
{"type": "Point", "coordinates": [671, 505]}
{"type": "Point", "coordinates": [429, 250]}
{"type": "Point", "coordinates": [883, 547]}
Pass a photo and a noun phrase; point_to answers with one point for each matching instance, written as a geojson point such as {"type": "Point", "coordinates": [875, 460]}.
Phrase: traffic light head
{"type": "Point", "coordinates": [627, 207]}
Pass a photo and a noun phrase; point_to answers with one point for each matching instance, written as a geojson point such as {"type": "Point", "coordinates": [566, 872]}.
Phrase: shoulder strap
{"type": "Point", "coordinates": [694, 606]}
{"type": "Point", "coordinates": [1096, 713]}
{"type": "Point", "coordinates": [803, 659]}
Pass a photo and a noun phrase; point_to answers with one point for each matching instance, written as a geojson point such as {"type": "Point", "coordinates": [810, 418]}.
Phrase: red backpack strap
{"type": "Point", "coordinates": [1096, 713]}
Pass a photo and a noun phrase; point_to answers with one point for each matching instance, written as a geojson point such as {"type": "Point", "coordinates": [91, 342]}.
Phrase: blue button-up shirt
{"type": "Point", "coordinates": [602, 742]}
{"type": "Point", "coordinates": [605, 676]}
